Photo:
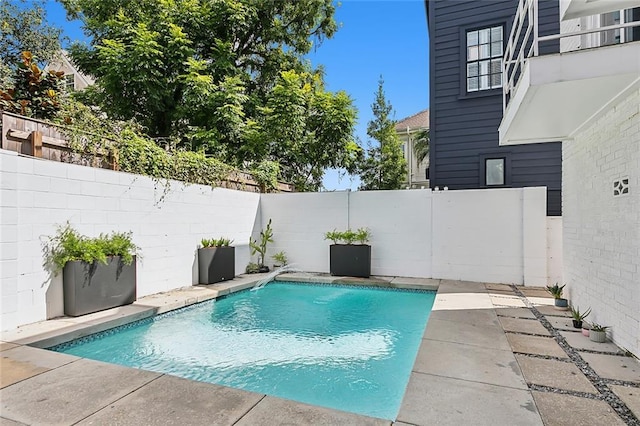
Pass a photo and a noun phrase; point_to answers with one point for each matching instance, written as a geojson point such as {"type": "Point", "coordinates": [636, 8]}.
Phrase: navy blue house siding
{"type": "Point", "coordinates": [464, 126]}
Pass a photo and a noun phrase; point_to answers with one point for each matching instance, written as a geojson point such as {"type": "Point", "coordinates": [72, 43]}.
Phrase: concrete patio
{"type": "Point", "coordinates": [491, 354]}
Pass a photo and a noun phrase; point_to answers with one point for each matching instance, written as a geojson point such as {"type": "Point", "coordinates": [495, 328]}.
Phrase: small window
{"type": "Point", "coordinates": [69, 82]}
{"type": "Point", "coordinates": [494, 171]}
{"type": "Point", "coordinates": [484, 59]}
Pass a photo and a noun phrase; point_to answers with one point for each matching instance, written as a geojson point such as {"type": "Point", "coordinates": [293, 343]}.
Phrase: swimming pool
{"type": "Point", "coordinates": [342, 347]}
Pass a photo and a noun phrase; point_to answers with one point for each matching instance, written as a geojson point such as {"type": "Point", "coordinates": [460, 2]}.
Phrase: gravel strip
{"type": "Point", "coordinates": [599, 383]}
{"type": "Point", "coordinates": [554, 358]}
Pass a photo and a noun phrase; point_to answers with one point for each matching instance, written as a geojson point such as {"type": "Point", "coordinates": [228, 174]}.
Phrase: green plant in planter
{"type": "Point", "coordinates": [556, 290]}
{"type": "Point", "coordinates": [281, 258]}
{"type": "Point", "coordinates": [68, 245]}
{"type": "Point", "coordinates": [266, 237]}
{"type": "Point", "coordinates": [598, 333]}
{"type": "Point", "coordinates": [598, 327]}
{"type": "Point", "coordinates": [220, 242]}
{"type": "Point", "coordinates": [578, 316]}
{"type": "Point", "coordinates": [361, 235]}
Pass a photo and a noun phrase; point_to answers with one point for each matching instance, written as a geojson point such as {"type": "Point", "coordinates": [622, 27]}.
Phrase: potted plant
{"type": "Point", "coordinates": [350, 259]}
{"type": "Point", "coordinates": [280, 258]}
{"type": "Point", "coordinates": [97, 273]}
{"type": "Point", "coordinates": [578, 316]}
{"type": "Point", "coordinates": [585, 329]}
{"type": "Point", "coordinates": [216, 260]}
{"type": "Point", "coordinates": [598, 333]}
{"type": "Point", "coordinates": [556, 292]}
{"type": "Point", "coordinates": [266, 237]}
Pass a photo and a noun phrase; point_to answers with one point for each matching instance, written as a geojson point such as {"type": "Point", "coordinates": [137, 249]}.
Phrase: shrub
{"type": "Point", "coordinates": [68, 245]}
{"type": "Point", "coordinates": [220, 242]}
{"type": "Point", "coordinates": [361, 235]}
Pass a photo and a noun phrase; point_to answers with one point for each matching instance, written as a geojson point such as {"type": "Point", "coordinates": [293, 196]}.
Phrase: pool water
{"type": "Point", "coordinates": [341, 347]}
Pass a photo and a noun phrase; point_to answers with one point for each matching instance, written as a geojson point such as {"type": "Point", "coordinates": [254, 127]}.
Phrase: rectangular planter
{"type": "Point", "coordinates": [95, 287]}
{"type": "Point", "coordinates": [216, 264]}
{"type": "Point", "coordinates": [350, 260]}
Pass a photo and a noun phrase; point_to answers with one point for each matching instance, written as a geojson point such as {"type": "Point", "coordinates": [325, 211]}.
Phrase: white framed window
{"type": "Point", "coordinates": [494, 171]}
{"type": "Point", "coordinates": [484, 58]}
{"type": "Point", "coordinates": [69, 82]}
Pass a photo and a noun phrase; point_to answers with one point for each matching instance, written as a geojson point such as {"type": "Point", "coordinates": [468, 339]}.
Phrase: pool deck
{"type": "Point", "coordinates": [491, 354]}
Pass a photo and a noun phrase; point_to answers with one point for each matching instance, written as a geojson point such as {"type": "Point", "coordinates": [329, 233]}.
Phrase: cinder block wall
{"type": "Point", "coordinates": [601, 230]}
{"type": "Point", "coordinates": [36, 195]}
{"type": "Point", "coordinates": [478, 235]}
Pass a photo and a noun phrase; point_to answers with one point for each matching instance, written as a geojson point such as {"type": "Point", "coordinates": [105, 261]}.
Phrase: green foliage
{"type": "Point", "coordinates": [213, 242]}
{"type": "Point", "coordinates": [23, 27]}
{"type": "Point", "coordinates": [422, 145]}
{"type": "Point", "coordinates": [266, 237]}
{"type": "Point", "coordinates": [598, 327]}
{"type": "Point", "coordinates": [252, 268]}
{"type": "Point", "coordinates": [361, 235]}
{"type": "Point", "coordinates": [68, 245]}
{"type": "Point", "coordinates": [265, 173]}
{"type": "Point", "coordinates": [281, 258]}
{"type": "Point", "coordinates": [384, 166]}
{"type": "Point", "coordinates": [227, 78]}
{"type": "Point", "coordinates": [577, 315]}
{"type": "Point", "coordinates": [556, 290]}
{"type": "Point", "coordinates": [35, 93]}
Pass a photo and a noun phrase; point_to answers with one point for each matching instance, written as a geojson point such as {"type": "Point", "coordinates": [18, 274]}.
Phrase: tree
{"type": "Point", "coordinates": [422, 145]}
{"type": "Point", "coordinates": [154, 60]}
{"type": "Point", "coordinates": [35, 93]}
{"type": "Point", "coordinates": [384, 166]}
{"type": "Point", "coordinates": [24, 28]}
{"type": "Point", "coordinates": [225, 77]}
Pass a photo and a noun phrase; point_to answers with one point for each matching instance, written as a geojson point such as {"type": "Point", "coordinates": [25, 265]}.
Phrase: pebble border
{"type": "Point", "coordinates": [606, 394]}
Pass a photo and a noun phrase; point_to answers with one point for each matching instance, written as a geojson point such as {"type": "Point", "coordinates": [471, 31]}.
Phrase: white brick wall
{"type": "Point", "coordinates": [479, 235]}
{"type": "Point", "coordinates": [602, 232]}
{"type": "Point", "coordinates": [37, 195]}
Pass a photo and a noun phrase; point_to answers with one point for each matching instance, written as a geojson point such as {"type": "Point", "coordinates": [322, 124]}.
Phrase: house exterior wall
{"type": "Point", "coordinates": [464, 127]}
{"type": "Point", "coordinates": [416, 171]}
{"type": "Point", "coordinates": [602, 231]}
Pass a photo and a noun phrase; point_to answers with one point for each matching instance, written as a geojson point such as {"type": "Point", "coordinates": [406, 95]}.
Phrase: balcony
{"type": "Point", "coordinates": [551, 97]}
{"type": "Point", "coordinates": [570, 9]}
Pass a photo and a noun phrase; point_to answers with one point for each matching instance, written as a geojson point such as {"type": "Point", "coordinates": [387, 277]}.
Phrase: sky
{"type": "Point", "coordinates": [375, 38]}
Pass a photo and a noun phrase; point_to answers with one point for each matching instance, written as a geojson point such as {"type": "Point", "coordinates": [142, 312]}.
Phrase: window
{"type": "Point", "coordinates": [494, 171]}
{"type": "Point", "coordinates": [484, 59]}
{"type": "Point", "coordinates": [69, 82]}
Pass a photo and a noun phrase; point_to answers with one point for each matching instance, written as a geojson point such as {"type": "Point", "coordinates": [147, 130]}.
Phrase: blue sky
{"type": "Point", "coordinates": [376, 37]}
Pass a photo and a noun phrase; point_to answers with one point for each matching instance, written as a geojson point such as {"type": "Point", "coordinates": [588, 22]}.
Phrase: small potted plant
{"type": "Point", "coordinates": [216, 260]}
{"type": "Point", "coordinates": [556, 292]}
{"type": "Point", "coordinates": [585, 329]}
{"type": "Point", "coordinates": [266, 237]}
{"type": "Point", "coordinates": [350, 259]}
{"type": "Point", "coordinates": [280, 258]}
{"type": "Point", "coordinates": [97, 273]}
{"type": "Point", "coordinates": [578, 316]}
{"type": "Point", "coordinates": [598, 333]}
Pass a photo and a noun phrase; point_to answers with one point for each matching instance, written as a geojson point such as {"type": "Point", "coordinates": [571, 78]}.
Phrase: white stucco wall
{"type": "Point", "coordinates": [36, 195]}
{"type": "Point", "coordinates": [498, 235]}
{"type": "Point", "coordinates": [602, 231]}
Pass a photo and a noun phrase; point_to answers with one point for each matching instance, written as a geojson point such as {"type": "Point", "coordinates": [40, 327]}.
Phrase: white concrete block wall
{"type": "Point", "coordinates": [478, 235]}
{"type": "Point", "coordinates": [554, 250]}
{"type": "Point", "coordinates": [400, 225]}
{"type": "Point", "coordinates": [299, 223]}
{"type": "Point", "coordinates": [602, 232]}
{"type": "Point", "coordinates": [37, 195]}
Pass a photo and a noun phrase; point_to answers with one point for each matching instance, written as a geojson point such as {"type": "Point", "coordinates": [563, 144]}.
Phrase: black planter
{"type": "Point", "coordinates": [263, 269]}
{"type": "Point", "coordinates": [350, 260]}
{"type": "Point", "coordinates": [216, 264]}
{"type": "Point", "coordinates": [577, 323]}
{"type": "Point", "coordinates": [95, 287]}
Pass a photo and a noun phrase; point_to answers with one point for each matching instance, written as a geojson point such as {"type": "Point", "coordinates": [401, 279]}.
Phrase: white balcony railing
{"type": "Point", "coordinates": [524, 43]}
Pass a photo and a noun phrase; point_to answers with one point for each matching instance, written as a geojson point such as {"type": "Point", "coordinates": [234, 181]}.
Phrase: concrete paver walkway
{"type": "Point", "coordinates": [491, 354]}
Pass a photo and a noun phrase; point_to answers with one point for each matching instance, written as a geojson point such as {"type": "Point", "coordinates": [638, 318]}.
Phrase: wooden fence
{"type": "Point", "coordinates": [37, 138]}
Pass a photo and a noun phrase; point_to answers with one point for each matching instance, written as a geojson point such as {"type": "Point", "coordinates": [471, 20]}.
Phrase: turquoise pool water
{"type": "Point", "coordinates": [341, 347]}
